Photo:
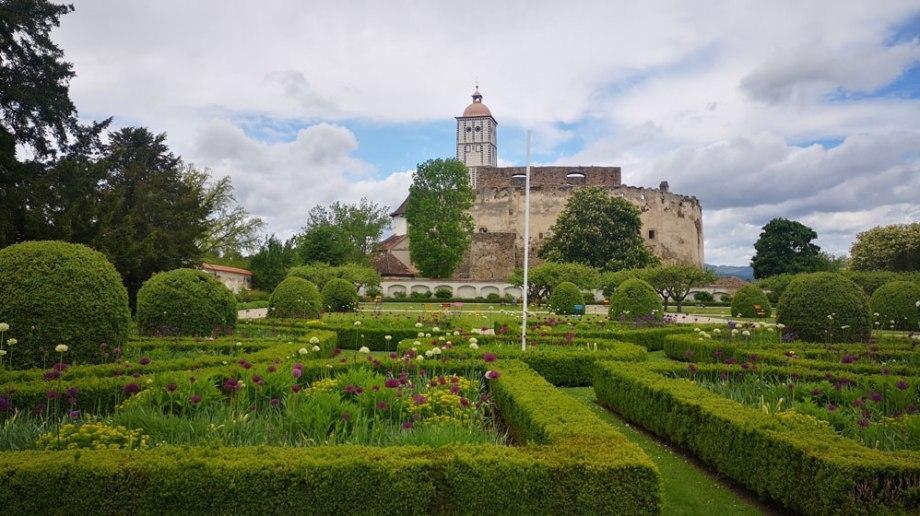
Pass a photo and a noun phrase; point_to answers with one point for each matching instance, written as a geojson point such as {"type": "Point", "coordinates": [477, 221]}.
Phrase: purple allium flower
{"type": "Point", "coordinates": [692, 368]}
{"type": "Point", "coordinates": [375, 388]}
{"type": "Point", "coordinates": [170, 387]}
{"type": "Point", "coordinates": [74, 415]}
{"type": "Point", "coordinates": [394, 355]}
{"type": "Point", "coordinates": [297, 372]}
{"type": "Point", "coordinates": [723, 376]}
{"type": "Point", "coordinates": [817, 393]}
{"type": "Point", "coordinates": [488, 357]}
{"type": "Point", "coordinates": [569, 337]}
{"type": "Point", "coordinates": [244, 364]}
{"type": "Point", "coordinates": [391, 383]}
{"type": "Point", "coordinates": [859, 403]}
{"type": "Point", "coordinates": [419, 399]}
{"type": "Point", "coordinates": [337, 351]}
{"type": "Point", "coordinates": [72, 392]}
{"type": "Point", "coordinates": [848, 359]}
{"type": "Point", "coordinates": [875, 396]}
{"type": "Point", "coordinates": [465, 403]}
{"type": "Point", "coordinates": [454, 389]}
{"type": "Point", "coordinates": [52, 394]}
{"type": "Point", "coordinates": [271, 369]}
{"type": "Point", "coordinates": [911, 409]}
{"type": "Point", "coordinates": [688, 354]}
{"type": "Point", "coordinates": [135, 375]}
{"type": "Point", "coordinates": [5, 404]}
{"type": "Point", "coordinates": [407, 425]}
{"type": "Point", "coordinates": [381, 405]}
{"type": "Point", "coordinates": [295, 388]}
{"type": "Point", "coordinates": [231, 385]}
{"type": "Point", "coordinates": [257, 379]}
{"type": "Point", "coordinates": [60, 366]}
{"type": "Point", "coordinates": [144, 361]}
{"type": "Point", "coordinates": [901, 384]}
{"type": "Point", "coordinates": [195, 399]}
{"type": "Point", "coordinates": [863, 422]}
{"type": "Point", "coordinates": [831, 407]}
{"type": "Point", "coordinates": [350, 389]}
{"type": "Point", "coordinates": [274, 402]}
{"type": "Point", "coordinates": [131, 388]}
{"type": "Point", "coordinates": [492, 375]}
{"type": "Point", "coordinates": [53, 374]}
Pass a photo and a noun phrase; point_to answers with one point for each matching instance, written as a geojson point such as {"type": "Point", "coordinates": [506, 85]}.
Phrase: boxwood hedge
{"type": "Point", "coordinates": [185, 302]}
{"type": "Point", "coordinates": [825, 307]}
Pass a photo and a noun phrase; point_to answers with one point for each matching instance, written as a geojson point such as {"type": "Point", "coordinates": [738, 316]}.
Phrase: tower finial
{"type": "Point", "coordinates": [477, 97]}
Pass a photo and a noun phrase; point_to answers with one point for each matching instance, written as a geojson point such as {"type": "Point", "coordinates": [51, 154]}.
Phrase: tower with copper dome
{"type": "Point", "coordinates": [477, 135]}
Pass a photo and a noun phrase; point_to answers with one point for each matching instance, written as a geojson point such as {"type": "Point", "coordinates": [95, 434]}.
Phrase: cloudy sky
{"type": "Point", "coordinates": [806, 110]}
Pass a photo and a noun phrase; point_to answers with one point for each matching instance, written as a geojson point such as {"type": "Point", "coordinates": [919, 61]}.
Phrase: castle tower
{"type": "Point", "coordinates": [476, 135]}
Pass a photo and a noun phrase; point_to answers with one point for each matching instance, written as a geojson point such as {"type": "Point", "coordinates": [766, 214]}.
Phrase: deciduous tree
{"type": "Point", "coordinates": [786, 246]}
{"type": "Point", "coordinates": [675, 281]}
{"type": "Point", "coordinates": [891, 248]}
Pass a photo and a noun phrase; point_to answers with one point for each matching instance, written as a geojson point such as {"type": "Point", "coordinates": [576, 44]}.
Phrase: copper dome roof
{"type": "Point", "coordinates": [477, 108]}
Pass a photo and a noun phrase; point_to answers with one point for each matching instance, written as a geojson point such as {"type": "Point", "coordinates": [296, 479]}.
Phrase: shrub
{"type": "Point", "coordinates": [493, 297]}
{"type": "Point", "coordinates": [870, 281]}
{"type": "Point", "coordinates": [58, 293]}
{"type": "Point", "coordinates": [746, 301]}
{"type": "Point", "coordinates": [420, 295]}
{"type": "Point", "coordinates": [725, 298]}
{"type": "Point", "coordinates": [372, 293]}
{"type": "Point", "coordinates": [635, 298]}
{"type": "Point", "coordinates": [703, 297]}
{"type": "Point", "coordinates": [399, 295]}
{"type": "Point", "coordinates": [317, 273]}
{"type": "Point", "coordinates": [610, 281]}
{"type": "Point", "coordinates": [824, 306]}
{"type": "Point", "coordinates": [185, 302]}
{"type": "Point", "coordinates": [443, 293]}
{"type": "Point", "coordinates": [776, 285]}
{"type": "Point", "coordinates": [564, 297]}
{"type": "Point", "coordinates": [340, 295]}
{"type": "Point", "coordinates": [295, 298]}
{"type": "Point", "coordinates": [247, 295]}
{"type": "Point", "coordinates": [897, 301]}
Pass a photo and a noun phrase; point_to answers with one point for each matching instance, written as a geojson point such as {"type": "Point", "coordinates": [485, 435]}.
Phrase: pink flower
{"type": "Point", "coordinates": [492, 375]}
{"type": "Point", "coordinates": [489, 357]}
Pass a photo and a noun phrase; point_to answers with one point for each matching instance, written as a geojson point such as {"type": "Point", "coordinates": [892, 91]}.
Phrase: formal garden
{"type": "Point", "coordinates": [180, 407]}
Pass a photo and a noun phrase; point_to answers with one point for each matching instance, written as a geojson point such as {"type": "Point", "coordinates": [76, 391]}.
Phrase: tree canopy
{"type": "Point", "coordinates": [440, 225]}
{"type": "Point", "coordinates": [786, 246]}
{"type": "Point", "coordinates": [544, 277]}
{"type": "Point", "coordinates": [598, 230]}
{"type": "Point", "coordinates": [342, 233]}
{"type": "Point", "coordinates": [674, 282]}
{"type": "Point", "coordinates": [891, 248]}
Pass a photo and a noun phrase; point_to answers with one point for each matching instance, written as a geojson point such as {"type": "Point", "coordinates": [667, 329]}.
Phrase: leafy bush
{"type": "Point", "coordinates": [317, 273]}
{"type": "Point", "coordinates": [185, 302]}
{"type": "Point", "coordinates": [416, 295]}
{"type": "Point", "coordinates": [399, 295]}
{"type": "Point", "coordinates": [372, 293]}
{"type": "Point", "coordinates": [746, 301]}
{"type": "Point", "coordinates": [635, 298]}
{"type": "Point", "coordinates": [58, 293]}
{"type": "Point", "coordinates": [340, 295]}
{"type": "Point", "coordinates": [897, 301]}
{"type": "Point", "coordinates": [824, 306]}
{"type": "Point", "coordinates": [295, 298]}
{"type": "Point", "coordinates": [443, 293]}
{"type": "Point", "coordinates": [610, 281]}
{"type": "Point", "coordinates": [725, 298]}
{"type": "Point", "coordinates": [564, 297]}
{"type": "Point", "coordinates": [249, 295]}
{"type": "Point", "coordinates": [703, 297]}
{"type": "Point", "coordinates": [493, 297]}
{"type": "Point", "coordinates": [870, 281]}
{"type": "Point", "coordinates": [92, 436]}
{"type": "Point", "coordinates": [776, 285]}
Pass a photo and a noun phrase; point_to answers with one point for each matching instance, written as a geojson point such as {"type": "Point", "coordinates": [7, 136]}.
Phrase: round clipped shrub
{"type": "Point", "coordinates": [824, 307]}
{"type": "Point", "coordinates": [635, 298]}
{"type": "Point", "coordinates": [564, 297]}
{"type": "Point", "coordinates": [703, 297]}
{"type": "Point", "coordinates": [896, 301]}
{"type": "Point", "coordinates": [340, 296]}
{"type": "Point", "coordinates": [55, 293]}
{"type": "Point", "coordinates": [295, 298]}
{"type": "Point", "coordinates": [750, 301]}
{"type": "Point", "coordinates": [185, 302]}
{"type": "Point", "coordinates": [443, 293]}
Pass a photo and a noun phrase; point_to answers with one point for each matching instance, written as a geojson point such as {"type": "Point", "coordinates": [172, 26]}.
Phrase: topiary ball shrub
{"type": "Point", "coordinates": [747, 300]}
{"type": "Point", "coordinates": [295, 298]}
{"type": "Point", "coordinates": [55, 293]}
{"type": "Point", "coordinates": [896, 301]}
{"type": "Point", "coordinates": [703, 297]}
{"type": "Point", "coordinates": [635, 299]}
{"type": "Point", "coordinates": [443, 293]}
{"type": "Point", "coordinates": [824, 307]}
{"type": "Point", "coordinates": [185, 302]}
{"type": "Point", "coordinates": [564, 297]}
{"type": "Point", "coordinates": [340, 296]}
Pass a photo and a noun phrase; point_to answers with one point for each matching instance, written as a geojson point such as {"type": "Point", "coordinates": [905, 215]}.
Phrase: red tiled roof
{"type": "Point", "coordinates": [401, 210]}
{"type": "Point", "coordinates": [388, 265]}
{"type": "Point", "coordinates": [225, 268]}
{"type": "Point", "coordinates": [389, 242]}
{"type": "Point", "coordinates": [729, 282]}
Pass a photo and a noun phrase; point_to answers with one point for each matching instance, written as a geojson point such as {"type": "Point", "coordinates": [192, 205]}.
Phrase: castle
{"type": "Point", "coordinates": [672, 224]}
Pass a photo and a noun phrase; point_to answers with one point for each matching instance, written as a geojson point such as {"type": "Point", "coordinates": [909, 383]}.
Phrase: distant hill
{"type": "Point", "coordinates": [744, 272]}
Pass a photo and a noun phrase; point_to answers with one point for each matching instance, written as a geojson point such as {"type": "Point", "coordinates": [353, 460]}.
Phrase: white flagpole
{"type": "Point", "coordinates": [526, 245]}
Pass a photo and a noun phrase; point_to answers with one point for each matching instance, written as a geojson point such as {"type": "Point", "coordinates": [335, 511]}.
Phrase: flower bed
{"type": "Point", "coordinates": [794, 458]}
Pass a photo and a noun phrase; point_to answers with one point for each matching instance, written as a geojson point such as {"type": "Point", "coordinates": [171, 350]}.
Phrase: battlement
{"type": "Point", "coordinates": [544, 177]}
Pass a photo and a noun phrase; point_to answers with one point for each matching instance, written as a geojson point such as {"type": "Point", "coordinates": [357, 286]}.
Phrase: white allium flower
{"type": "Point", "coordinates": [418, 325]}
{"type": "Point", "coordinates": [315, 348]}
{"type": "Point", "coordinates": [417, 343]}
{"type": "Point", "coordinates": [474, 340]}
{"type": "Point", "coordinates": [12, 342]}
{"type": "Point", "coordinates": [357, 323]}
{"type": "Point", "coordinates": [2, 352]}
{"type": "Point", "coordinates": [364, 349]}
{"type": "Point", "coordinates": [735, 331]}
{"type": "Point", "coordinates": [717, 331]}
{"type": "Point", "coordinates": [473, 345]}
{"type": "Point", "coordinates": [61, 348]}
{"type": "Point", "coordinates": [387, 337]}
{"type": "Point", "coordinates": [436, 350]}
{"type": "Point", "coordinates": [780, 325]}
{"type": "Point", "coordinates": [314, 340]}
{"type": "Point", "coordinates": [420, 358]}
{"type": "Point", "coordinates": [303, 351]}
{"type": "Point", "coordinates": [421, 334]}
{"type": "Point", "coordinates": [435, 329]}
{"type": "Point", "coordinates": [428, 335]}
{"type": "Point", "coordinates": [745, 333]}
{"type": "Point", "coordinates": [4, 326]}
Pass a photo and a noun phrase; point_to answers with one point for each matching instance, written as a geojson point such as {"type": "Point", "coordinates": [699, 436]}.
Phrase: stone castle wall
{"type": "Point", "coordinates": [544, 177]}
{"type": "Point", "coordinates": [672, 224]}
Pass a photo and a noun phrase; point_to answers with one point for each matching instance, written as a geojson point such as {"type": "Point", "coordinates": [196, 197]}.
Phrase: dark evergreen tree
{"type": "Point", "coordinates": [785, 246]}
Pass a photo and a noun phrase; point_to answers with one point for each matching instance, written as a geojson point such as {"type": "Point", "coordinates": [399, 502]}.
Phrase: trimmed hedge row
{"type": "Point", "coordinates": [806, 467]}
{"type": "Point", "coordinates": [575, 464]}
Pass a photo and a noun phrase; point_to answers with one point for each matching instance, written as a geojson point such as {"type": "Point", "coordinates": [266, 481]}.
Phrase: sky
{"type": "Point", "coordinates": [804, 110]}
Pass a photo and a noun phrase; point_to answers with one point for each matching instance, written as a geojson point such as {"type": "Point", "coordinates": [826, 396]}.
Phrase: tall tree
{"type": "Point", "coordinates": [676, 281]}
{"type": "Point", "coordinates": [437, 212]}
{"type": "Point", "coordinates": [270, 264]}
{"type": "Point", "coordinates": [342, 232]}
{"type": "Point", "coordinates": [599, 230]}
{"type": "Point", "coordinates": [891, 248]}
{"type": "Point", "coordinates": [153, 209]}
{"type": "Point", "coordinates": [324, 243]}
{"type": "Point", "coordinates": [230, 229]}
{"type": "Point", "coordinates": [785, 246]}
{"type": "Point", "coordinates": [544, 277]}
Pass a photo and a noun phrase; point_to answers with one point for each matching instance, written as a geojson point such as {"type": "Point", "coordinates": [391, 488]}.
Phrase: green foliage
{"type": "Point", "coordinates": [493, 297]}
{"type": "Point", "coordinates": [416, 295]}
{"type": "Point", "coordinates": [58, 293]}
{"type": "Point", "coordinates": [766, 452]}
{"type": "Point", "coordinates": [610, 280]}
{"type": "Point", "coordinates": [342, 233]}
{"type": "Point", "coordinates": [785, 246]}
{"type": "Point", "coordinates": [870, 281]}
{"type": "Point", "coordinates": [674, 282]}
{"type": "Point", "coordinates": [825, 307]}
{"type": "Point", "coordinates": [703, 297]}
{"type": "Point", "coordinates": [295, 298]}
{"type": "Point", "coordinates": [892, 248]}
{"type": "Point", "coordinates": [599, 230]}
{"type": "Point", "coordinates": [318, 273]}
{"type": "Point", "coordinates": [564, 297]}
{"type": "Point", "coordinates": [248, 295]}
{"type": "Point", "coordinates": [776, 285]}
{"type": "Point", "coordinates": [325, 244]}
{"type": "Point", "coordinates": [271, 263]}
{"type": "Point", "coordinates": [340, 295]}
{"type": "Point", "coordinates": [230, 229]}
{"type": "Point", "coordinates": [185, 302]}
{"type": "Point", "coordinates": [897, 301]}
{"type": "Point", "coordinates": [443, 293]}
{"type": "Point", "coordinates": [746, 301]}
{"type": "Point", "coordinates": [542, 278]}
{"type": "Point", "coordinates": [437, 211]}
{"type": "Point", "coordinates": [92, 436]}
{"type": "Point", "coordinates": [635, 298]}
